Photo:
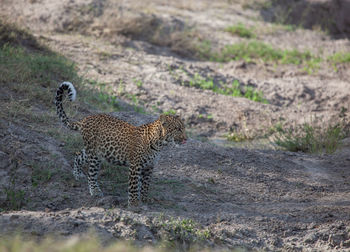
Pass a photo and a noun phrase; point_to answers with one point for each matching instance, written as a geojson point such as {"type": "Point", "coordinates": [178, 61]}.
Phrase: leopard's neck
{"type": "Point", "coordinates": [154, 134]}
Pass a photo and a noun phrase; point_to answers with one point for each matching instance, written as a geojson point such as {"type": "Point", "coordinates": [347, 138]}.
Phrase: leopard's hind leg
{"type": "Point", "coordinates": [134, 181]}
{"type": "Point", "coordinates": [94, 167]}
{"type": "Point", "coordinates": [145, 178]}
{"type": "Point", "coordinates": [79, 161]}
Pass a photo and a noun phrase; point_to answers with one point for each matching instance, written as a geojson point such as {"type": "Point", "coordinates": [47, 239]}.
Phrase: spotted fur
{"type": "Point", "coordinates": [107, 137]}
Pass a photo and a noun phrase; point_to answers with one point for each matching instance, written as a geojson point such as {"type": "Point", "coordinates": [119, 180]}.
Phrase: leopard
{"type": "Point", "coordinates": [109, 138]}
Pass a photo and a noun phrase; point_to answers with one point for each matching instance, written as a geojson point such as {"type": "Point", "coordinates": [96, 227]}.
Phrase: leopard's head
{"type": "Point", "coordinates": [173, 129]}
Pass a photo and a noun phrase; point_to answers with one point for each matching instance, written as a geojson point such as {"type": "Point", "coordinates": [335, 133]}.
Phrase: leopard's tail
{"type": "Point", "coordinates": [59, 107]}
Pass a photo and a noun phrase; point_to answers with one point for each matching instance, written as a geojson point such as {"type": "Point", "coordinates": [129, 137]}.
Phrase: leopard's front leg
{"type": "Point", "coordinates": [133, 189]}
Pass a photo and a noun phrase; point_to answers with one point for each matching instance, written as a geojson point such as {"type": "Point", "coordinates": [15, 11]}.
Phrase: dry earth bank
{"type": "Point", "coordinates": [251, 198]}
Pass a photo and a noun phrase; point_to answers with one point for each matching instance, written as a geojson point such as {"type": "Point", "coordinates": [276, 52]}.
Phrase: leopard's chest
{"type": "Point", "coordinates": [148, 158]}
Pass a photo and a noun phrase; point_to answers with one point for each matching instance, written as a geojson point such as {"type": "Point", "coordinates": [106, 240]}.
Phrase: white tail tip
{"type": "Point", "coordinates": [72, 93]}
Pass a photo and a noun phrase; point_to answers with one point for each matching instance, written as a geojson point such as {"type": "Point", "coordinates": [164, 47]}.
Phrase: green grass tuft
{"type": "Point", "coordinates": [170, 112]}
{"type": "Point", "coordinates": [249, 51]}
{"type": "Point", "coordinates": [183, 231]}
{"type": "Point", "coordinates": [312, 138]}
{"type": "Point", "coordinates": [15, 199]}
{"type": "Point", "coordinates": [241, 31]}
{"type": "Point", "coordinates": [19, 66]}
{"type": "Point", "coordinates": [230, 90]}
{"type": "Point", "coordinates": [257, 50]}
{"type": "Point", "coordinates": [41, 173]}
{"type": "Point", "coordinates": [340, 57]}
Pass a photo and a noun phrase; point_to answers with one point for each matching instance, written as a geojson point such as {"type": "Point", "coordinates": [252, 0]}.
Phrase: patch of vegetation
{"type": "Point", "coordinates": [13, 35]}
{"type": "Point", "coordinates": [101, 94]}
{"type": "Point", "coordinates": [203, 50]}
{"type": "Point", "coordinates": [182, 231]}
{"type": "Point", "coordinates": [170, 112]}
{"type": "Point", "coordinates": [311, 138]}
{"type": "Point", "coordinates": [103, 55]}
{"type": "Point", "coordinates": [136, 103]}
{"type": "Point", "coordinates": [256, 50]}
{"type": "Point", "coordinates": [234, 89]}
{"type": "Point", "coordinates": [19, 66]}
{"type": "Point", "coordinates": [238, 136]}
{"type": "Point", "coordinates": [288, 27]}
{"type": "Point", "coordinates": [339, 58]}
{"type": "Point", "coordinates": [35, 75]}
{"type": "Point", "coordinates": [241, 31]}
{"type": "Point", "coordinates": [209, 116]}
{"type": "Point", "coordinates": [138, 83]}
{"type": "Point", "coordinates": [15, 197]}
{"type": "Point", "coordinates": [41, 174]}
{"type": "Point", "coordinates": [259, 50]}
{"type": "Point", "coordinates": [247, 92]}
{"type": "Point", "coordinates": [71, 141]}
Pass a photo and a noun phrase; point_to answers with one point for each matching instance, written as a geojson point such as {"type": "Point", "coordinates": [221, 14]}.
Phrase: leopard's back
{"type": "Point", "coordinates": [108, 136]}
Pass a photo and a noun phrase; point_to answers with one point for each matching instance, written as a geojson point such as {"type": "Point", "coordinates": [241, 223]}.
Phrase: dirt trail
{"type": "Point", "coordinates": [253, 198]}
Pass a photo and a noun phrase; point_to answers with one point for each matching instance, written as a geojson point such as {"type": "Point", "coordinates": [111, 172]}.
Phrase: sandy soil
{"type": "Point", "coordinates": [254, 198]}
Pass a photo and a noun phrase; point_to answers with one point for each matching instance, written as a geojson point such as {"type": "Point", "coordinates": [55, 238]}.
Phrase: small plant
{"type": "Point", "coordinates": [103, 55]}
{"type": "Point", "coordinates": [312, 138]}
{"type": "Point", "coordinates": [40, 174]}
{"type": "Point", "coordinates": [138, 83]}
{"type": "Point", "coordinates": [238, 136]}
{"type": "Point", "coordinates": [257, 50]}
{"type": "Point", "coordinates": [241, 31]}
{"type": "Point", "coordinates": [170, 112]}
{"type": "Point", "coordinates": [15, 198]}
{"type": "Point", "coordinates": [289, 27]}
{"type": "Point", "coordinates": [184, 230]}
{"type": "Point", "coordinates": [204, 50]}
{"type": "Point", "coordinates": [200, 82]}
{"type": "Point", "coordinates": [209, 116]}
{"type": "Point", "coordinates": [155, 108]}
{"type": "Point", "coordinates": [231, 90]}
{"type": "Point", "coordinates": [136, 103]}
{"type": "Point", "coordinates": [104, 96]}
{"type": "Point", "coordinates": [339, 58]}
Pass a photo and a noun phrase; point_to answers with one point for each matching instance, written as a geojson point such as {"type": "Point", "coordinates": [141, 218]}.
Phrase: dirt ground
{"type": "Point", "coordinates": [255, 198]}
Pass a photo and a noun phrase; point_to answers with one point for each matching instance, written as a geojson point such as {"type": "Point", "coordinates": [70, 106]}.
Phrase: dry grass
{"type": "Point", "coordinates": [11, 34]}
{"type": "Point", "coordinates": [181, 38]}
{"type": "Point", "coordinates": [316, 136]}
